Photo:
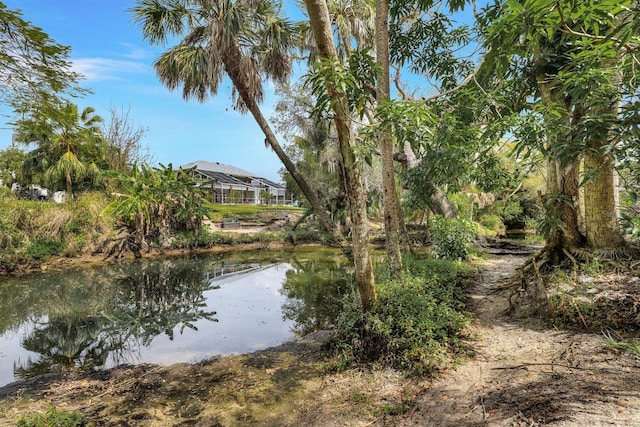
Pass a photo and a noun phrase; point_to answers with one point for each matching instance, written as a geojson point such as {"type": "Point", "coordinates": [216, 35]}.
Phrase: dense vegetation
{"type": "Point", "coordinates": [416, 327]}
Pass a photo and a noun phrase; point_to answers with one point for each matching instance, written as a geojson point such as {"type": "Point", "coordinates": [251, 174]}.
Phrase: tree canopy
{"type": "Point", "coordinates": [31, 64]}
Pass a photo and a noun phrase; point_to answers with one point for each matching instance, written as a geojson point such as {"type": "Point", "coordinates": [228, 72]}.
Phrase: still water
{"type": "Point", "coordinates": [165, 311]}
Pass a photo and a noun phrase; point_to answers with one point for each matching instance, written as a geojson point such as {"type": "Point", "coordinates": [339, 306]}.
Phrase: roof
{"type": "Point", "coordinates": [204, 166]}
{"type": "Point", "coordinates": [226, 174]}
{"type": "Point", "coordinates": [271, 183]}
{"type": "Point", "coordinates": [223, 178]}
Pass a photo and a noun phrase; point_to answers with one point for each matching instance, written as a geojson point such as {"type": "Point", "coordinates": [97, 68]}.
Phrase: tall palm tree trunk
{"type": "Point", "coordinates": [321, 27]}
{"type": "Point", "coordinates": [233, 69]}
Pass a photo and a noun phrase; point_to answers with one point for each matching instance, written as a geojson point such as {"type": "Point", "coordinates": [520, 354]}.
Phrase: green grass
{"type": "Point", "coordinates": [245, 212]}
{"type": "Point", "coordinates": [53, 417]}
{"type": "Point", "coordinates": [616, 342]}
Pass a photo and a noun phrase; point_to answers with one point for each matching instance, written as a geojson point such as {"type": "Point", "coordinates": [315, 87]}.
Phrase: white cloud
{"type": "Point", "coordinates": [135, 52]}
{"type": "Point", "coordinates": [100, 69]}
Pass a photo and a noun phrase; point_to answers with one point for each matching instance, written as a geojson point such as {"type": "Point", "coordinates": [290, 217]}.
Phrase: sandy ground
{"type": "Point", "coordinates": [526, 374]}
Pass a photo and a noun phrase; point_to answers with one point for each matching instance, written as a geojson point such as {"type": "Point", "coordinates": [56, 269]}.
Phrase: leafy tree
{"type": "Point", "coordinates": [123, 141]}
{"type": "Point", "coordinates": [336, 95]}
{"type": "Point", "coordinates": [311, 146]}
{"type": "Point", "coordinates": [11, 160]}
{"type": "Point", "coordinates": [580, 58]}
{"type": "Point", "coordinates": [69, 144]}
{"type": "Point", "coordinates": [247, 40]}
{"type": "Point", "coordinates": [32, 63]}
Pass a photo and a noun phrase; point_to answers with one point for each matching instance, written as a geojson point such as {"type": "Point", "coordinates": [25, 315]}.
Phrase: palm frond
{"type": "Point", "coordinates": [160, 20]}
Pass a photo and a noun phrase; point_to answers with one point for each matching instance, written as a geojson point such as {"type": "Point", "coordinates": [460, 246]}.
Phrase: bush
{"type": "Point", "coordinates": [53, 417]}
{"type": "Point", "coordinates": [450, 239]}
{"type": "Point", "coordinates": [45, 247]}
{"type": "Point", "coordinates": [416, 325]}
{"type": "Point", "coordinates": [492, 223]}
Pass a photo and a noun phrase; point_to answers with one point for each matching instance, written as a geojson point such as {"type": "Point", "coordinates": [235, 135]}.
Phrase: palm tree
{"type": "Point", "coordinates": [244, 39]}
{"type": "Point", "coordinates": [70, 145]}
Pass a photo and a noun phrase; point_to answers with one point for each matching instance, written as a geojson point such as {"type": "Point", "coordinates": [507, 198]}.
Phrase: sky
{"type": "Point", "coordinates": [108, 49]}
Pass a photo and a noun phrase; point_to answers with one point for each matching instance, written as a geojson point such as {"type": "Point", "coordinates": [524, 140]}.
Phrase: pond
{"type": "Point", "coordinates": [165, 311]}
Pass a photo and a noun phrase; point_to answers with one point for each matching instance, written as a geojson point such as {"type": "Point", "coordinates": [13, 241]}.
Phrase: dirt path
{"type": "Point", "coordinates": [525, 374]}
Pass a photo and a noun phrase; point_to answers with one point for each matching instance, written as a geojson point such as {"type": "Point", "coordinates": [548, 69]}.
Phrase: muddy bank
{"type": "Point", "coordinates": [62, 263]}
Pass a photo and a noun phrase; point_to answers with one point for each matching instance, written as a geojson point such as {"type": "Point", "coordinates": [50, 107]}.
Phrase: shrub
{"type": "Point", "coordinates": [416, 325]}
{"type": "Point", "coordinates": [45, 247]}
{"type": "Point", "coordinates": [6, 193]}
{"type": "Point", "coordinates": [493, 223]}
{"type": "Point", "coordinates": [450, 239]}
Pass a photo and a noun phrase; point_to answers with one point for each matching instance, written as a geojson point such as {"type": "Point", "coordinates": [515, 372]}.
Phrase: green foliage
{"type": "Point", "coordinates": [493, 223]}
{"type": "Point", "coordinates": [53, 418]}
{"type": "Point", "coordinates": [355, 79]}
{"type": "Point", "coordinates": [45, 247]}
{"type": "Point", "coordinates": [70, 149]}
{"type": "Point", "coordinates": [429, 45]}
{"type": "Point", "coordinates": [11, 166]}
{"type": "Point", "coordinates": [34, 66]}
{"type": "Point", "coordinates": [416, 325]}
{"type": "Point", "coordinates": [451, 238]}
{"type": "Point", "coordinates": [156, 202]}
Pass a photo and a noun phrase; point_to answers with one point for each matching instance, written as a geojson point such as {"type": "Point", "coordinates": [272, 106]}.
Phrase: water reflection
{"type": "Point", "coordinates": [68, 342]}
{"type": "Point", "coordinates": [315, 290]}
{"type": "Point", "coordinates": [146, 300]}
{"type": "Point", "coordinates": [159, 296]}
{"type": "Point", "coordinates": [177, 310]}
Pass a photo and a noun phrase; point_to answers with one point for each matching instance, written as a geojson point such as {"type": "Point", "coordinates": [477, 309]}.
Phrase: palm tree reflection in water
{"type": "Point", "coordinates": [148, 301]}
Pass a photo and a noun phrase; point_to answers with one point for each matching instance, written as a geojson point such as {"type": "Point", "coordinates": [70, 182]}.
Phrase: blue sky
{"type": "Point", "coordinates": [107, 47]}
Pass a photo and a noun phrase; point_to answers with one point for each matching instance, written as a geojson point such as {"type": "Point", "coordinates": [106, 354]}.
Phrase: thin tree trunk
{"type": "Point", "coordinates": [321, 27]}
{"type": "Point", "coordinates": [69, 187]}
{"type": "Point", "coordinates": [385, 141]}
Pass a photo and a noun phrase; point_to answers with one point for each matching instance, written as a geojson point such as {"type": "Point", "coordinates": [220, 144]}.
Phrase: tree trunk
{"type": "Point", "coordinates": [321, 27]}
{"type": "Point", "coordinates": [438, 201]}
{"type": "Point", "coordinates": [600, 219]}
{"type": "Point", "coordinates": [390, 200]}
{"type": "Point", "coordinates": [601, 222]}
{"type": "Point", "coordinates": [562, 181]}
{"type": "Point", "coordinates": [233, 70]}
{"type": "Point", "coordinates": [69, 187]}
{"type": "Point", "coordinates": [564, 186]}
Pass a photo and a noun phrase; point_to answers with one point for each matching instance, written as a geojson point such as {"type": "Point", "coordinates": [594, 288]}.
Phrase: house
{"type": "Point", "coordinates": [229, 184]}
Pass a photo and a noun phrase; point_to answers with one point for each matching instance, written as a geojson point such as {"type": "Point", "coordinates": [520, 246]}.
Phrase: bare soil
{"type": "Point", "coordinates": [523, 374]}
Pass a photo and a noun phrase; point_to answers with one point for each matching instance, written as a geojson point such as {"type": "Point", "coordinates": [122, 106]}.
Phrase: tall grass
{"type": "Point", "coordinates": [36, 230]}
